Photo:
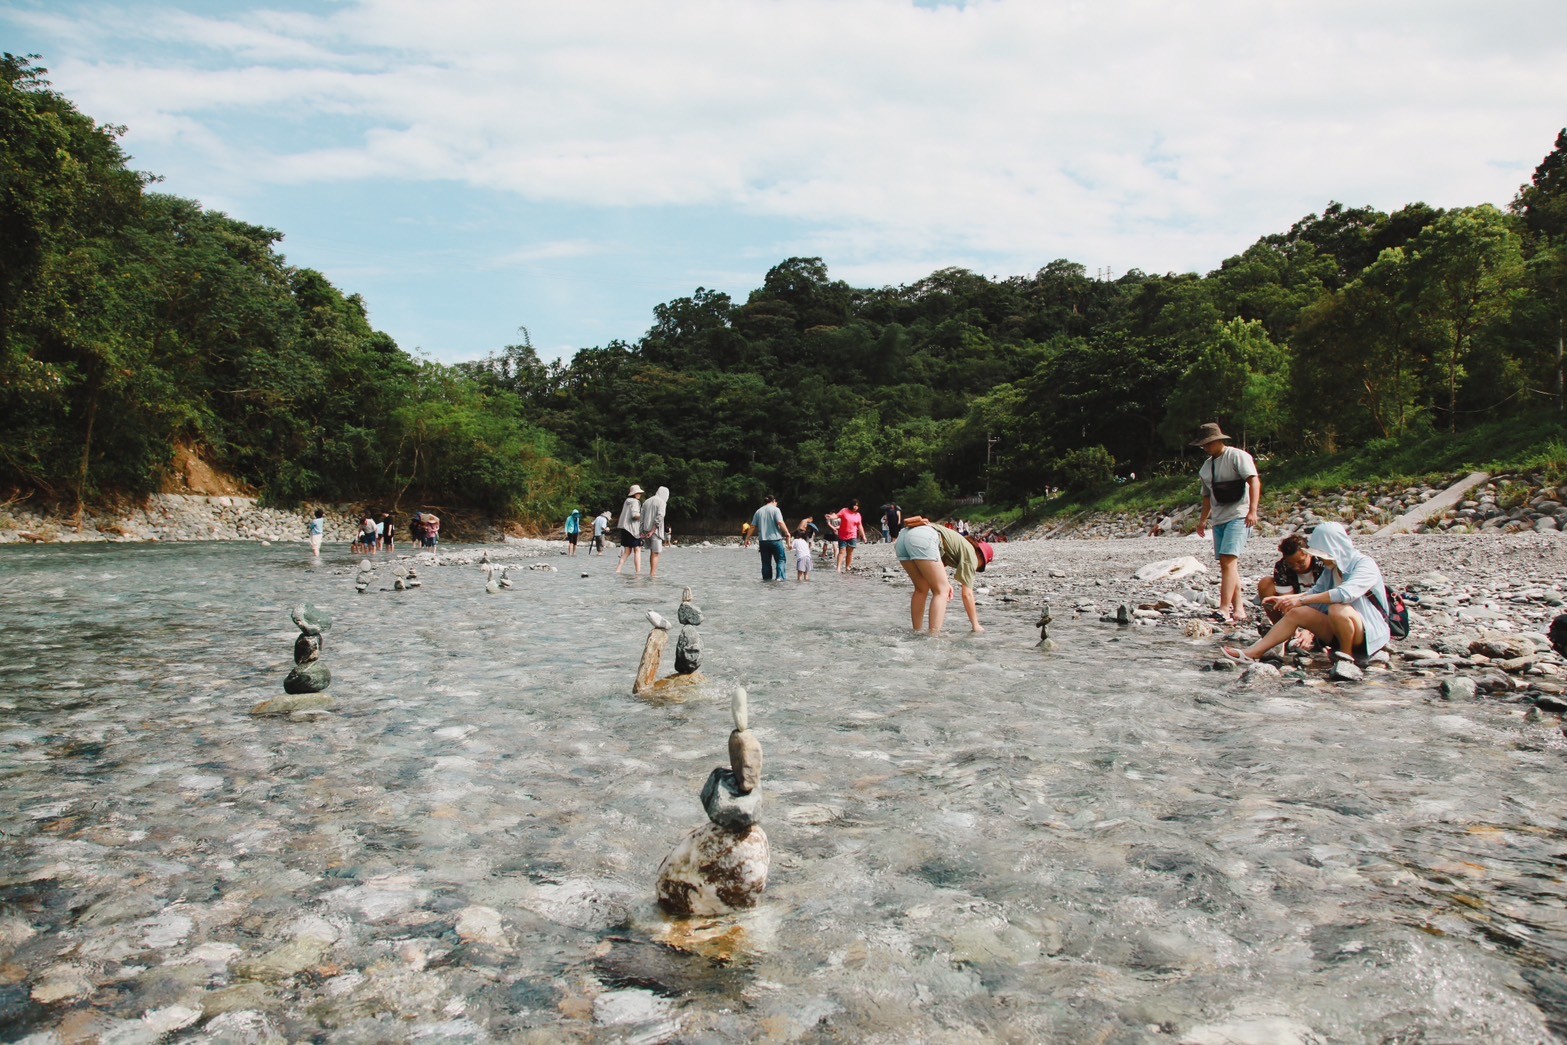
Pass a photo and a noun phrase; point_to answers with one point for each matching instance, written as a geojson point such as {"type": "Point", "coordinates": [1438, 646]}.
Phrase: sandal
{"type": "Point", "coordinates": [1238, 656]}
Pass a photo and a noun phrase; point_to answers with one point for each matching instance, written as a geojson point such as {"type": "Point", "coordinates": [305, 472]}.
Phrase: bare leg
{"type": "Point", "coordinates": [652, 565]}
{"type": "Point", "coordinates": [1230, 588]}
{"type": "Point", "coordinates": [1307, 617]}
{"type": "Point", "coordinates": [930, 585]}
{"type": "Point", "coordinates": [1266, 589]}
{"type": "Point", "coordinates": [848, 559]}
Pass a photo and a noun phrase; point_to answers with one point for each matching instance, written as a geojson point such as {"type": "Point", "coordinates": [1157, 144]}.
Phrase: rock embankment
{"type": "Point", "coordinates": [1510, 503]}
{"type": "Point", "coordinates": [178, 517]}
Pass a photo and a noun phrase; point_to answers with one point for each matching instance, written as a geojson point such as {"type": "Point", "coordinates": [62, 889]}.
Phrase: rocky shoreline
{"type": "Point", "coordinates": [1480, 607]}
{"type": "Point", "coordinates": [197, 517]}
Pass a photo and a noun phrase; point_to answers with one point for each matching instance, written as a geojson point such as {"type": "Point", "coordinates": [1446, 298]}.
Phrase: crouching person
{"type": "Point", "coordinates": [1343, 609]}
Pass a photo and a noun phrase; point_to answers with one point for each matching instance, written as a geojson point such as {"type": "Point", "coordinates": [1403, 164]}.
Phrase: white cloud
{"type": "Point", "coordinates": [1123, 132]}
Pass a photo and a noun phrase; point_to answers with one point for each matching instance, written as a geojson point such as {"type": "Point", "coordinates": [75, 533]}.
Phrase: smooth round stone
{"type": "Point", "coordinates": [312, 620]}
{"type": "Point", "coordinates": [714, 871]}
{"type": "Point", "coordinates": [728, 806]}
{"type": "Point", "coordinates": [308, 678]}
{"type": "Point", "coordinates": [745, 759]}
{"type": "Point", "coordinates": [689, 613]}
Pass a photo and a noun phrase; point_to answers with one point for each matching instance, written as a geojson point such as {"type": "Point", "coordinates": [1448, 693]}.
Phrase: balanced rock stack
{"type": "Point", "coordinates": [306, 685]}
{"type": "Point", "coordinates": [365, 575]}
{"type": "Point", "coordinates": [722, 865]}
{"type": "Point", "coordinates": [688, 648]}
{"type": "Point", "coordinates": [688, 651]}
{"type": "Point", "coordinates": [1043, 624]}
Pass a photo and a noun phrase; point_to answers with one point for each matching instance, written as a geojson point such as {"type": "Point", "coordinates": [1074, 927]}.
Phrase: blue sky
{"type": "Point", "coordinates": [473, 166]}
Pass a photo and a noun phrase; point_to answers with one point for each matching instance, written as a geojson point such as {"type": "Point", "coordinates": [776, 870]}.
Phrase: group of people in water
{"type": "Point", "coordinates": [379, 534]}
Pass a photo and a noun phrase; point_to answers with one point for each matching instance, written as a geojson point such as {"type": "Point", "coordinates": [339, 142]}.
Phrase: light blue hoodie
{"type": "Point", "coordinates": [1355, 579]}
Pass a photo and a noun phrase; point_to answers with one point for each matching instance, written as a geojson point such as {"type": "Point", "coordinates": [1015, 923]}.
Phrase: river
{"type": "Point", "coordinates": [972, 839]}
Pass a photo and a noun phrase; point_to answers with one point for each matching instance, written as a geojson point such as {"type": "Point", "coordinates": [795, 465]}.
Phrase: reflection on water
{"type": "Point", "coordinates": [971, 839]}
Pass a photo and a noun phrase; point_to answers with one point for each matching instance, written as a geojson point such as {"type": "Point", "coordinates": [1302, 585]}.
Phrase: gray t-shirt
{"type": "Point", "coordinates": [769, 523]}
{"type": "Point", "coordinates": [1233, 463]}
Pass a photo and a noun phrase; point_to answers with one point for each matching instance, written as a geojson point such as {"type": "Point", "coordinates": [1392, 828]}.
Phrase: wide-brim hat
{"type": "Point", "coordinates": [635, 489]}
{"type": "Point", "coordinates": [1209, 433]}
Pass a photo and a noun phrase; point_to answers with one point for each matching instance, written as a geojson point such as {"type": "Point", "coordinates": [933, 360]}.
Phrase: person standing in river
{"type": "Point", "coordinates": [925, 550]}
{"type": "Point", "coordinates": [317, 532]}
{"type": "Point", "coordinates": [1231, 494]}
{"type": "Point", "coordinates": [600, 528]}
{"type": "Point", "coordinates": [388, 533]}
{"type": "Point", "coordinates": [630, 524]}
{"type": "Point", "coordinates": [772, 535]}
{"type": "Point", "coordinates": [851, 528]}
{"type": "Point", "coordinates": [654, 528]}
{"type": "Point", "coordinates": [573, 530]}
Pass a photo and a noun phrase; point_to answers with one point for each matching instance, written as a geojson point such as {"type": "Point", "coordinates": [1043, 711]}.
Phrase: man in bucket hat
{"type": "Point", "coordinates": [1231, 493]}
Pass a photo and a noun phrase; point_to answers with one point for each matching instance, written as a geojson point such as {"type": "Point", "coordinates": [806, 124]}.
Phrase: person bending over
{"type": "Point", "coordinates": [925, 550]}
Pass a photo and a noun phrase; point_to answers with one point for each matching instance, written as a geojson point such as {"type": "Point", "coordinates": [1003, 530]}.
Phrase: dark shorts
{"type": "Point", "coordinates": [571, 539]}
{"type": "Point", "coordinates": [628, 541]}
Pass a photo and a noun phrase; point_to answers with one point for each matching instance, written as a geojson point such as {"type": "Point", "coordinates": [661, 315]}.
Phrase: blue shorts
{"type": "Point", "coordinates": [918, 543]}
{"type": "Point", "coordinates": [1229, 538]}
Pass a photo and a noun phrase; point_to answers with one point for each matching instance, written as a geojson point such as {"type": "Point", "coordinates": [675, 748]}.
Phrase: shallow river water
{"type": "Point", "coordinates": [972, 840]}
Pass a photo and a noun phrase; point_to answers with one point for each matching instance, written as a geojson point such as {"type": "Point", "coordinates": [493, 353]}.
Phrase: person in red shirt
{"type": "Point", "coordinates": [851, 527]}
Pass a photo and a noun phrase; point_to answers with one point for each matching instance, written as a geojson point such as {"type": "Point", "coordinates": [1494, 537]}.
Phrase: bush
{"type": "Point", "coordinates": [1084, 468]}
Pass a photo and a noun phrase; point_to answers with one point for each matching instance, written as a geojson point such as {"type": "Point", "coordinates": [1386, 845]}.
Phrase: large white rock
{"type": "Point", "coordinates": [714, 871]}
{"type": "Point", "coordinates": [1171, 569]}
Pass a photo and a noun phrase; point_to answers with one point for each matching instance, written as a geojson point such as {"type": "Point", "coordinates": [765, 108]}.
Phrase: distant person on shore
{"type": "Point", "coordinates": [772, 534]}
{"type": "Point", "coordinates": [654, 529]}
{"type": "Point", "coordinates": [573, 530]}
{"type": "Point", "coordinates": [388, 532]}
{"type": "Point", "coordinates": [432, 530]}
{"type": "Point", "coordinates": [317, 532]}
{"type": "Point", "coordinates": [894, 520]}
{"type": "Point", "coordinates": [802, 554]}
{"type": "Point", "coordinates": [1231, 493]}
{"type": "Point", "coordinates": [925, 550]}
{"type": "Point", "coordinates": [630, 524]}
{"type": "Point", "coordinates": [600, 527]}
{"type": "Point", "coordinates": [851, 530]}
{"type": "Point", "coordinates": [1344, 609]}
{"type": "Point", "coordinates": [886, 529]}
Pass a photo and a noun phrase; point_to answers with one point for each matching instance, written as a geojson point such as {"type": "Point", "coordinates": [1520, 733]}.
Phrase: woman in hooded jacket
{"type": "Point", "coordinates": [1344, 608]}
{"type": "Point", "coordinates": [654, 529]}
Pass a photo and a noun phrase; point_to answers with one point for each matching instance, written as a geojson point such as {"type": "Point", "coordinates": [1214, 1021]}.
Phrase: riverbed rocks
{"type": "Point", "coordinates": [722, 865]}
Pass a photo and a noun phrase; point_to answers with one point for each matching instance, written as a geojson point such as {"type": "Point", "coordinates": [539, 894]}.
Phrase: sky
{"type": "Point", "coordinates": [476, 167]}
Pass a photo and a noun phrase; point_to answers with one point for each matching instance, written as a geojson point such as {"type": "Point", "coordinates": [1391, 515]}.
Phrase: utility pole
{"type": "Point", "coordinates": [990, 442]}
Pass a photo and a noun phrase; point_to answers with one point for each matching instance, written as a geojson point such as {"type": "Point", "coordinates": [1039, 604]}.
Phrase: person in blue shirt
{"type": "Point", "coordinates": [573, 530]}
{"type": "Point", "coordinates": [772, 535]}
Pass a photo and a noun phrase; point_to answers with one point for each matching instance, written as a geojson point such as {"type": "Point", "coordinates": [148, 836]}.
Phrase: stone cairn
{"type": "Point", "coordinates": [306, 685]}
{"type": "Point", "coordinates": [1046, 643]}
{"type": "Point", "coordinates": [496, 578]}
{"type": "Point", "coordinates": [404, 578]}
{"type": "Point", "coordinates": [365, 575]}
{"type": "Point", "coordinates": [688, 650]}
{"type": "Point", "coordinates": [722, 865]}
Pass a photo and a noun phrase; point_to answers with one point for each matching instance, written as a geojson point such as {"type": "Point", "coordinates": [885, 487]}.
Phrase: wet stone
{"type": "Point", "coordinates": [292, 704]}
{"type": "Point", "coordinates": [1459, 689]}
{"type": "Point", "coordinates": [728, 806]}
{"type": "Point", "coordinates": [745, 760]}
{"type": "Point", "coordinates": [313, 677]}
{"type": "Point", "coordinates": [714, 871]}
{"type": "Point", "coordinates": [312, 620]}
{"type": "Point", "coordinates": [689, 613]}
{"type": "Point", "coordinates": [688, 651]}
{"type": "Point", "coordinates": [307, 648]}
{"type": "Point", "coordinates": [1345, 671]}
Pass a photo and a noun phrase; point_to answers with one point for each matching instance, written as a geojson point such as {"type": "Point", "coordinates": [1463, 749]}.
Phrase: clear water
{"type": "Point", "coordinates": [972, 840]}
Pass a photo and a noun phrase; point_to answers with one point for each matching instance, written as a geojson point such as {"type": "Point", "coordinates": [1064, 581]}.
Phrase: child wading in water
{"type": "Point", "coordinates": [802, 555]}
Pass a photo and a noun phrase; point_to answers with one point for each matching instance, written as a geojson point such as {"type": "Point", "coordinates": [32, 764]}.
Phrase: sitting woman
{"type": "Point", "coordinates": [1343, 609]}
{"type": "Point", "coordinates": [925, 550]}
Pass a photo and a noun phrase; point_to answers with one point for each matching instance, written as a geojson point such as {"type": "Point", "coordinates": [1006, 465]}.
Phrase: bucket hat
{"type": "Point", "coordinates": [635, 489]}
{"type": "Point", "coordinates": [1209, 433]}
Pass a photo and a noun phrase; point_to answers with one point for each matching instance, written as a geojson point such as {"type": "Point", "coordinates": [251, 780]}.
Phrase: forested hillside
{"type": "Point", "coordinates": [132, 322]}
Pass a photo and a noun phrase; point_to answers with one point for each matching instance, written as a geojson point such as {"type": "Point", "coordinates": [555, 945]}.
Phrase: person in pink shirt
{"type": "Point", "coordinates": [850, 529]}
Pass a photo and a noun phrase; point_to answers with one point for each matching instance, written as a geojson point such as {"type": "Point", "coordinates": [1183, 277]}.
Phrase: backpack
{"type": "Point", "coordinates": [1395, 612]}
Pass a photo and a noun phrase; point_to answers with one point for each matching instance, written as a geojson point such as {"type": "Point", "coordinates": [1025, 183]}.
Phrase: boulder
{"type": "Point", "coordinates": [713, 871]}
{"type": "Point", "coordinates": [688, 651]}
{"type": "Point", "coordinates": [293, 703]}
{"type": "Point", "coordinates": [310, 677]}
{"type": "Point", "coordinates": [1171, 569]}
{"type": "Point", "coordinates": [1459, 688]}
